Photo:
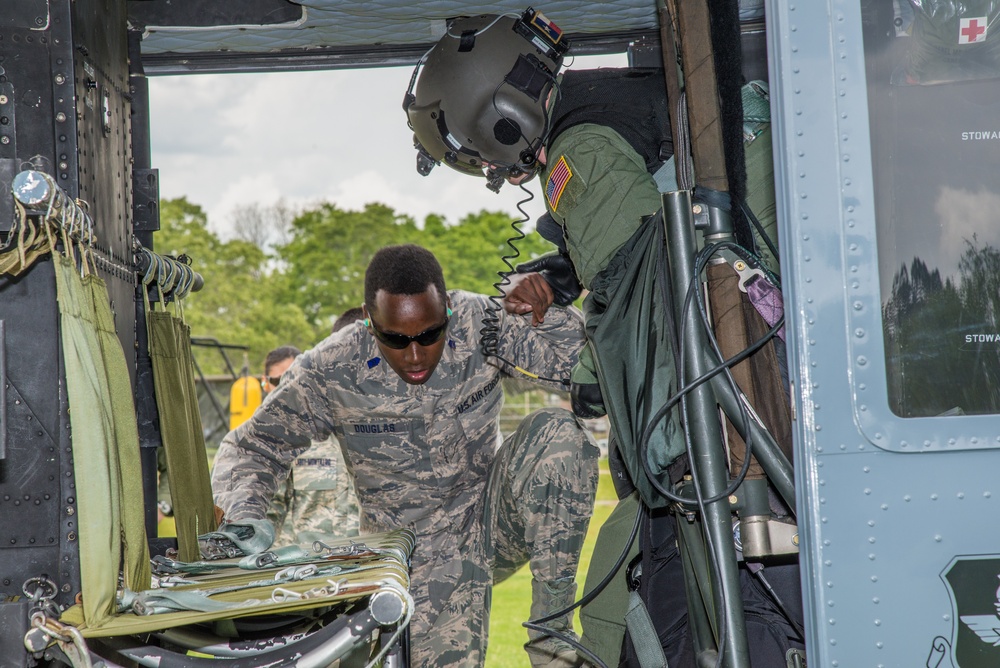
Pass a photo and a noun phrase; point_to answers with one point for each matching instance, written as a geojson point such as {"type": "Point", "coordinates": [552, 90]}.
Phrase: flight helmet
{"type": "Point", "coordinates": [478, 97]}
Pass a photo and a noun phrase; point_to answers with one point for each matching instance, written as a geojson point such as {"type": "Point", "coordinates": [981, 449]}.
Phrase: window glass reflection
{"type": "Point", "coordinates": [933, 76]}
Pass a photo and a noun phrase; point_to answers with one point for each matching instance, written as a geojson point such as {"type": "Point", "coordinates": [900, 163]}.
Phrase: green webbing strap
{"type": "Point", "coordinates": [283, 556]}
{"type": "Point", "coordinates": [95, 473]}
{"type": "Point", "coordinates": [184, 597]}
{"type": "Point", "coordinates": [234, 580]}
{"type": "Point", "coordinates": [234, 539]}
{"type": "Point", "coordinates": [201, 496]}
{"type": "Point", "coordinates": [122, 407]}
{"type": "Point", "coordinates": [644, 637]}
{"type": "Point", "coordinates": [180, 430]}
{"type": "Point", "coordinates": [289, 555]}
{"type": "Point", "coordinates": [159, 601]}
{"type": "Point", "coordinates": [290, 589]}
{"type": "Point", "coordinates": [31, 244]}
{"type": "Point", "coordinates": [281, 598]}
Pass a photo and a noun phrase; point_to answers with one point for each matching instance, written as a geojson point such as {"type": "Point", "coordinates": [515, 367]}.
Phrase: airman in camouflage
{"type": "Point", "coordinates": [317, 500]}
{"type": "Point", "coordinates": [414, 403]}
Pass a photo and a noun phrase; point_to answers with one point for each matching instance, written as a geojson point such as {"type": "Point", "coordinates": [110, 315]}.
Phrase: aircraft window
{"type": "Point", "coordinates": [933, 78]}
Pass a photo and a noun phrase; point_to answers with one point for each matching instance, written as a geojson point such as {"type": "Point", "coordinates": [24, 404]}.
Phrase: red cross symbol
{"type": "Point", "coordinates": [971, 31]}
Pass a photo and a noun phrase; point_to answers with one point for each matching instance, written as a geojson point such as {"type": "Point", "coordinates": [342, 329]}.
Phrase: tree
{"type": "Point", "coordinates": [932, 366]}
{"type": "Point", "coordinates": [263, 301]}
{"type": "Point", "coordinates": [263, 226]}
{"type": "Point", "coordinates": [239, 303]}
{"type": "Point", "coordinates": [325, 260]}
{"type": "Point", "coordinates": [471, 252]}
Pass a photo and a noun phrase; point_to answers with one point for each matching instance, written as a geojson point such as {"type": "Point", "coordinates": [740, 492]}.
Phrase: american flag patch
{"type": "Point", "coordinates": [558, 178]}
{"type": "Point", "coordinates": [548, 28]}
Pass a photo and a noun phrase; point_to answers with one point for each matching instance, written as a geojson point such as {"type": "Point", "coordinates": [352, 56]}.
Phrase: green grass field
{"type": "Point", "coordinates": [512, 598]}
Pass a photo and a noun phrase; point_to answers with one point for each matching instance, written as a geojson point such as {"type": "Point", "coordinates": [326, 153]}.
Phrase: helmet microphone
{"type": "Point", "coordinates": [425, 161]}
{"type": "Point", "coordinates": [494, 179]}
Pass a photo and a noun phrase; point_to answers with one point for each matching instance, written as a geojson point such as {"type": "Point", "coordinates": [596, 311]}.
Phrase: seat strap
{"type": "Point", "coordinates": [643, 634]}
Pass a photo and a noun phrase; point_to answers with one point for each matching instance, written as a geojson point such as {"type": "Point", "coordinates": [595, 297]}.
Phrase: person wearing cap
{"type": "Point", "coordinates": [414, 401]}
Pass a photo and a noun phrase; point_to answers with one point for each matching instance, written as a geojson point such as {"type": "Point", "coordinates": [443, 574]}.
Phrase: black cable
{"type": "Point", "coordinates": [701, 260]}
{"type": "Point", "coordinates": [735, 359]}
{"type": "Point", "coordinates": [701, 502]}
{"type": "Point", "coordinates": [568, 640]}
{"type": "Point", "coordinates": [536, 624]}
{"type": "Point", "coordinates": [604, 582]}
{"type": "Point", "coordinates": [489, 334]}
{"type": "Point", "coordinates": [708, 375]}
{"type": "Point", "coordinates": [758, 571]}
{"type": "Point", "coordinates": [748, 212]}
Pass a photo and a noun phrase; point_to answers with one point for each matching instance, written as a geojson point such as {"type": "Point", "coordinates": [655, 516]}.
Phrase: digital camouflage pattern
{"type": "Point", "coordinates": [317, 499]}
{"type": "Point", "coordinates": [421, 457]}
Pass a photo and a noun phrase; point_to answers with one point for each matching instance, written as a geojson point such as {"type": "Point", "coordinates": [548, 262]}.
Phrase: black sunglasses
{"type": "Point", "coordinates": [401, 341]}
{"type": "Point", "coordinates": [274, 381]}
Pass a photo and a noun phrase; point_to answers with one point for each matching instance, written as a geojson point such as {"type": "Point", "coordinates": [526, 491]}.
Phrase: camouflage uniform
{"type": "Point", "coordinates": [426, 457]}
{"type": "Point", "coordinates": [316, 500]}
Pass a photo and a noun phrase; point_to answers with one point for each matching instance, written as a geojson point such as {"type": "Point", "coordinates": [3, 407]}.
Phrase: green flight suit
{"type": "Point", "coordinates": [604, 198]}
{"type": "Point", "coordinates": [598, 189]}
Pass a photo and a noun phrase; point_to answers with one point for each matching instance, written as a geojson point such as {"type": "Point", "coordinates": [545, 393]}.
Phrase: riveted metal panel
{"type": "Point", "coordinates": [37, 489]}
{"type": "Point", "coordinates": [31, 14]}
{"type": "Point", "coordinates": [13, 626]}
{"type": "Point", "coordinates": [65, 97]}
{"type": "Point", "coordinates": [887, 505]}
{"type": "Point", "coordinates": [100, 83]}
{"type": "Point", "coordinates": [38, 521]}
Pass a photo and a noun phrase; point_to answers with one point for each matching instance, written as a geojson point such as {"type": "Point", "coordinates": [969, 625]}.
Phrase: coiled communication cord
{"type": "Point", "coordinates": [489, 334]}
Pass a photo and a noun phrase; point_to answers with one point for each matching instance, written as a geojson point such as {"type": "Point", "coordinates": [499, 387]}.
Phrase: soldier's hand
{"type": "Point", "coordinates": [528, 293]}
{"type": "Point", "coordinates": [557, 270]}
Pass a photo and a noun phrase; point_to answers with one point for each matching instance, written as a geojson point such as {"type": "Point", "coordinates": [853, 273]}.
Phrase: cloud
{"type": "Point", "coordinates": [224, 140]}
{"type": "Point", "coordinates": [964, 214]}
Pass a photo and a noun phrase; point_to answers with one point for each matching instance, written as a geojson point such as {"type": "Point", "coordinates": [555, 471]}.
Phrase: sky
{"type": "Point", "coordinates": [230, 140]}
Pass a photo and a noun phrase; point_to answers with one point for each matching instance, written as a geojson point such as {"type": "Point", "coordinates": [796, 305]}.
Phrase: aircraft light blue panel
{"type": "Point", "coordinates": [889, 219]}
